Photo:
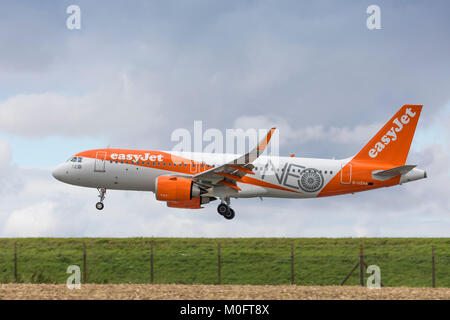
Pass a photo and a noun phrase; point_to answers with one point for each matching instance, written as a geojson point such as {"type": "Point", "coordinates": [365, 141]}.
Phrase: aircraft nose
{"type": "Point", "coordinates": [58, 172]}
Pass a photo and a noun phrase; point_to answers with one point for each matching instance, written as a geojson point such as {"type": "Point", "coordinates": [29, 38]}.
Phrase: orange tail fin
{"type": "Point", "coordinates": [391, 144]}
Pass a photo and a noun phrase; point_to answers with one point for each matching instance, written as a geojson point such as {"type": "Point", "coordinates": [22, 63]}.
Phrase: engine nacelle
{"type": "Point", "coordinates": [175, 189]}
{"type": "Point", "coordinates": [194, 203]}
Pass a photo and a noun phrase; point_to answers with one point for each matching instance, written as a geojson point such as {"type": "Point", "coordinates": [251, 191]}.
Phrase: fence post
{"type": "Point", "coordinates": [219, 264]}
{"type": "Point", "coordinates": [151, 263]}
{"type": "Point", "coordinates": [292, 265]}
{"type": "Point", "coordinates": [15, 263]}
{"type": "Point", "coordinates": [361, 265]}
{"type": "Point", "coordinates": [84, 264]}
{"type": "Point", "coordinates": [433, 274]}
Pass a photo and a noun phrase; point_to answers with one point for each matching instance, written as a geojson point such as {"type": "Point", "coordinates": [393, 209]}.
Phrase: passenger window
{"type": "Point", "coordinates": [80, 159]}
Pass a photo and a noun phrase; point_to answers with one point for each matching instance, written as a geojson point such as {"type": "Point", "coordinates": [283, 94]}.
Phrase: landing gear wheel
{"type": "Point", "coordinates": [99, 205]}
{"type": "Point", "coordinates": [229, 215]}
{"type": "Point", "coordinates": [222, 209]}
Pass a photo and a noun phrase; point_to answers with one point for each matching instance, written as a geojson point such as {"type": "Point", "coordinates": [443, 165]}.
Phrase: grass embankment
{"type": "Point", "coordinates": [403, 262]}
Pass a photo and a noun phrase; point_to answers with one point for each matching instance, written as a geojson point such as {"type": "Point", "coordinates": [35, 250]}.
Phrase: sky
{"type": "Point", "coordinates": [136, 71]}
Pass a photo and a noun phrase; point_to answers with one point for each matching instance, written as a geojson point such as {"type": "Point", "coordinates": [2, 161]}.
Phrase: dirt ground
{"type": "Point", "coordinates": [203, 292]}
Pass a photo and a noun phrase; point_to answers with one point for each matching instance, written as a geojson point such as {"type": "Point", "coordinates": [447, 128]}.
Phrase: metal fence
{"type": "Point", "coordinates": [218, 264]}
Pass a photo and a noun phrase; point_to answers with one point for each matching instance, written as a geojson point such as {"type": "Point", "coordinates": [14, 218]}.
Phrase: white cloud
{"type": "Point", "coordinates": [8, 181]}
{"type": "Point", "coordinates": [290, 134]}
{"type": "Point", "coordinates": [5, 153]}
{"type": "Point", "coordinates": [119, 108]}
{"type": "Point", "coordinates": [37, 220]}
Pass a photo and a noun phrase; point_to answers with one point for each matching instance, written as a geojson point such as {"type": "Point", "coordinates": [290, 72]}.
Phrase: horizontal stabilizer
{"type": "Point", "coordinates": [390, 173]}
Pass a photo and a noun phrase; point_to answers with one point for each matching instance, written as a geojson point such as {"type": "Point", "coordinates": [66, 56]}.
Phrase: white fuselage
{"type": "Point", "coordinates": [277, 171]}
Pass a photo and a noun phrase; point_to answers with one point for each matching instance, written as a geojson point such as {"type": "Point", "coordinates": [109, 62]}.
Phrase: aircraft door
{"type": "Point", "coordinates": [100, 161]}
{"type": "Point", "coordinates": [346, 174]}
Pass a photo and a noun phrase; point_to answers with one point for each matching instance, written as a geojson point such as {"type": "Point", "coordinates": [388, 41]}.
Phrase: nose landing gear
{"type": "Point", "coordinates": [224, 210]}
{"type": "Point", "coordinates": [99, 205]}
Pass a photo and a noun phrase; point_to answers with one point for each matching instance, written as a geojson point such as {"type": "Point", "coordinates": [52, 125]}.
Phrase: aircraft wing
{"type": "Point", "coordinates": [227, 174]}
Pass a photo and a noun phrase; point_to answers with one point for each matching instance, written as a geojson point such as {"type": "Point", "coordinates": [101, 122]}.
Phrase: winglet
{"type": "Point", "coordinates": [263, 144]}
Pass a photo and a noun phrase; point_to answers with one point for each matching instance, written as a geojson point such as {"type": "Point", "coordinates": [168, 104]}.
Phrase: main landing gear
{"type": "Point", "coordinates": [224, 210]}
{"type": "Point", "coordinates": [99, 205]}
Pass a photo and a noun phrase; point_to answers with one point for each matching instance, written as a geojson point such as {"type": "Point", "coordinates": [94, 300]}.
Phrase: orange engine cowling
{"type": "Point", "coordinates": [175, 189]}
{"type": "Point", "coordinates": [194, 203]}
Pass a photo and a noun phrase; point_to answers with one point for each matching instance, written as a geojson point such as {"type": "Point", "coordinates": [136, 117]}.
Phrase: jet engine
{"type": "Point", "coordinates": [176, 189]}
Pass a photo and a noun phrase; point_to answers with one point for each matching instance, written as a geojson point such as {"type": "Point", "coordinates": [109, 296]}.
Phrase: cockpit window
{"type": "Point", "coordinates": [75, 159]}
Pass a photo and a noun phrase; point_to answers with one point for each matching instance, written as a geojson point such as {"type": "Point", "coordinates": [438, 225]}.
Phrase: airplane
{"type": "Point", "coordinates": [190, 180]}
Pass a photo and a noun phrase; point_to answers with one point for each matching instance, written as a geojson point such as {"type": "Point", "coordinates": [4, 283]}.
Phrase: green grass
{"type": "Point", "coordinates": [403, 261]}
